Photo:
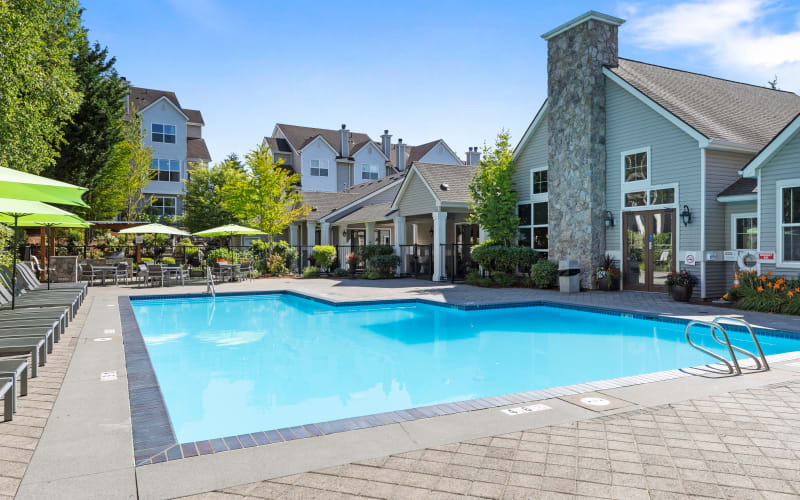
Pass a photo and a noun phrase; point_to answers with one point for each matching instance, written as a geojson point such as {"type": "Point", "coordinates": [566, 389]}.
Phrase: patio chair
{"type": "Point", "coordinates": [86, 273]}
{"type": "Point", "coordinates": [37, 268]}
{"type": "Point", "coordinates": [17, 371]}
{"type": "Point", "coordinates": [35, 346]}
{"type": "Point", "coordinates": [155, 273]}
{"type": "Point", "coordinates": [246, 270]}
{"type": "Point", "coordinates": [7, 393]}
{"type": "Point", "coordinates": [121, 272]}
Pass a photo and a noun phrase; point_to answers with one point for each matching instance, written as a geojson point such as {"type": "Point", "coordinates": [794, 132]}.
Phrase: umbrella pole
{"type": "Point", "coordinates": [47, 265]}
{"type": "Point", "coordinates": [14, 267]}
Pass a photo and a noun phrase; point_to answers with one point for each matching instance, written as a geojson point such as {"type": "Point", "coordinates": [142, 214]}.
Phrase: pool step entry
{"type": "Point", "coordinates": [210, 283]}
{"type": "Point", "coordinates": [733, 365]}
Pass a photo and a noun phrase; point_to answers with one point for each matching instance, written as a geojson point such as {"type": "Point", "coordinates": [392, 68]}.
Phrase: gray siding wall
{"type": "Point", "coordinates": [532, 155]}
{"type": "Point", "coordinates": [785, 165]}
{"type": "Point", "coordinates": [722, 170]}
{"type": "Point", "coordinates": [417, 199]}
{"type": "Point", "coordinates": [744, 207]}
{"type": "Point", "coordinates": [675, 158]}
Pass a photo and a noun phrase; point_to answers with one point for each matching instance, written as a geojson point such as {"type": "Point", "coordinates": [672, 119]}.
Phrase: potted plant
{"type": "Point", "coordinates": [608, 275]}
{"type": "Point", "coordinates": [680, 285]}
{"type": "Point", "coordinates": [352, 263]}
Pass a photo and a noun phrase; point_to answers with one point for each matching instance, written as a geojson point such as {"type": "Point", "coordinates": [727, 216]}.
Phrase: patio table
{"type": "Point", "coordinates": [104, 271]}
{"type": "Point", "coordinates": [174, 272]}
{"type": "Point", "coordinates": [230, 269]}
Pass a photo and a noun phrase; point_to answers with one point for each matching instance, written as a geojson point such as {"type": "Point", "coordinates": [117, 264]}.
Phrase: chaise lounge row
{"type": "Point", "coordinates": [32, 328]}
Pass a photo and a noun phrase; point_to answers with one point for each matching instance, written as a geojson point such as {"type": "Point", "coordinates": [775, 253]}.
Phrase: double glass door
{"type": "Point", "coordinates": [648, 241]}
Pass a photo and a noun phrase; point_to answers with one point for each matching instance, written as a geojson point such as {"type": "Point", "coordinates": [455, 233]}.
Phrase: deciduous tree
{"type": "Point", "coordinates": [204, 200]}
{"type": "Point", "coordinates": [132, 157]}
{"type": "Point", "coordinates": [493, 203]}
{"type": "Point", "coordinates": [265, 194]}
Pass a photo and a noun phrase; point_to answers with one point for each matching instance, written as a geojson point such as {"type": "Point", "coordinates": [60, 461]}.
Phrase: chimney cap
{"type": "Point", "coordinates": [386, 132]}
{"type": "Point", "coordinates": [344, 126]}
{"type": "Point", "coordinates": [588, 16]}
{"type": "Point", "coordinates": [400, 141]}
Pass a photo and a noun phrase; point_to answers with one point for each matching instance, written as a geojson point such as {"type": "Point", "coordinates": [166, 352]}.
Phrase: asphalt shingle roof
{"type": "Point", "coordinates": [719, 109]}
{"type": "Point", "coordinates": [368, 212]}
{"type": "Point", "coordinates": [323, 203]}
{"type": "Point", "coordinates": [743, 186]}
{"type": "Point", "coordinates": [366, 188]}
{"type": "Point", "coordinates": [195, 116]}
{"type": "Point", "coordinates": [299, 137]}
{"type": "Point", "coordinates": [456, 177]}
{"type": "Point", "coordinates": [196, 148]}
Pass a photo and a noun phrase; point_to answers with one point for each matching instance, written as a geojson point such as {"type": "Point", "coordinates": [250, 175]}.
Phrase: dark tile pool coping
{"type": "Point", "coordinates": [155, 441]}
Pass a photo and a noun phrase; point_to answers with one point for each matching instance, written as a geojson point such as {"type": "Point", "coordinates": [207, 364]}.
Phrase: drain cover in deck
{"type": "Point", "coordinates": [596, 401]}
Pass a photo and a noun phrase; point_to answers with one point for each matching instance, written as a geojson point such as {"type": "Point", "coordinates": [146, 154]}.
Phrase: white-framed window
{"type": "Point", "coordinates": [533, 227]}
{"type": "Point", "coordinates": [318, 169]}
{"type": "Point", "coordinates": [744, 231]}
{"type": "Point", "coordinates": [163, 206]}
{"type": "Point", "coordinates": [788, 222]}
{"type": "Point", "coordinates": [636, 166]}
{"type": "Point", "coordinates": [165, 170]}
{"type": "Point", "coordinates": [539, 183]}
{"type": "Point", "coordinates": [162, 132]}
{"type": "Point", "coordinates": [369, 172]}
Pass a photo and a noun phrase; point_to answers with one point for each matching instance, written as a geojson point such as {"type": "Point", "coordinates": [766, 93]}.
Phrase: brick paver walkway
{"type": "Point", "coordinates": [18, 438]}
{"type": "Point", "coordinates": [743, 444]}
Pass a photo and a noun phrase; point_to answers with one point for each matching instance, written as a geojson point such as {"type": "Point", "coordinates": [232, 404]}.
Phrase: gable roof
{"type": "Point", "coordinates": [140, 98]}
{"type": "Point", "coordinates": [195, 116]}
{"type": "Point", "coordinates": [323, 203]}
{"type": "Point", "coordinates": [197, 148]}
{"type": "Point", "coordinates": [720, 110]}
{"type": "Point", "coordinates": [457, 178]}
{"type": "Point", "coordinates": [378, 211]}
{"type": "Point", "coordinates": [278, 145]}
{"type": "Point", "coordinates": [366, 188]}
{"type": "Point", "coordinates": [772, 147]}
{"type": "Point", "coordinates": [300, 137]}
{"type": "Point", "coordinates": [743, 187]}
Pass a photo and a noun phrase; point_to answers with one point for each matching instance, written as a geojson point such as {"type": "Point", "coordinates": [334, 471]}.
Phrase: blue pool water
{"type": "Point", "coordinates": [241, 364]}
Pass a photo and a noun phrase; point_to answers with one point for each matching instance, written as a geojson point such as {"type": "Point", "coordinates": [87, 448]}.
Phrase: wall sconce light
{"type": "Point", "coordinates": [609, 219]}
{"type": "Point", "coordinates": [344, 234]}
{"type": "Point", "coordinates": [431, 232]}
{"type": "Point", "coordinates": [686, 215]}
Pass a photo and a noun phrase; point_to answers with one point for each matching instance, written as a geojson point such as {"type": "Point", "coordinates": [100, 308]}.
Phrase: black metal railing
{"type": "Point", "coordinates": [417, 261]}
{"type": "Point", "coordinates": [457, 259]}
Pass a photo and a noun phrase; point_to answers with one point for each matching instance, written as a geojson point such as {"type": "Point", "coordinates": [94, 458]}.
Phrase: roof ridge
{"type": "Point", "coordinates": [705, 75]}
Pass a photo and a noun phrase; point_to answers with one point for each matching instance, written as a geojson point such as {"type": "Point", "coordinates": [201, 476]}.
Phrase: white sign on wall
{"type": "Point", "coordinates": [139, 240]}
{"type": "Point", "coordinates": [690, 258]}
{"type": "Point", "coordinates": [730, 256]}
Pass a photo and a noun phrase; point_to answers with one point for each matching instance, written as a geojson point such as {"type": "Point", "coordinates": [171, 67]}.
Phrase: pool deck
{"type": "Point", "coordinates": [706, 435]}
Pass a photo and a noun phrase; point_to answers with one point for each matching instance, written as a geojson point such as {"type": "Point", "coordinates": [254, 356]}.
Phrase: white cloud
{"type": "Point", "coordinates": [733, 34]}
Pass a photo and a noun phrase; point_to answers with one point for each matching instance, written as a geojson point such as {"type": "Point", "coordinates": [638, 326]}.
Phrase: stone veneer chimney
{"type": "Point", "coordinates": [576, 54]}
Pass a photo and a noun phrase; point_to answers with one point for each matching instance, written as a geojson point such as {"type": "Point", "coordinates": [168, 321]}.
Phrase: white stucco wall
{"type": "Point", "coordinates": [318, 150]}
{"type": "Point", "coordinates": [371, 156]}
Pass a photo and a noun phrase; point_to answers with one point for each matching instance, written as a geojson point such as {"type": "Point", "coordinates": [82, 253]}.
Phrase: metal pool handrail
{"type": "Point", "coordinates": [731, 368]}
{"type": "Point", "coordinates": [759, 364]}
{"type": "Point", "coordinates": [210, 283]}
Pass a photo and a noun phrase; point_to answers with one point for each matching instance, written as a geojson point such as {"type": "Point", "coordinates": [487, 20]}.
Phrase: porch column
{"type": "Point", "coordinates": [311, 236]}
{"type": "Point", "coordinates": [399, 239]}
{"type": "Point", "coordinates": [439, 239]}
{"type": "Point", "coordinates": [369, 233]}
{"type": "Point", "coordinates": [294, 230]}
{"type": "Point", "coordinates": [325, 233]}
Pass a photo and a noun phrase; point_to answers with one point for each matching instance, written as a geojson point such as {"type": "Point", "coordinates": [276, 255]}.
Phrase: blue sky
{"type": "Point", "coordinates": [460, 71]}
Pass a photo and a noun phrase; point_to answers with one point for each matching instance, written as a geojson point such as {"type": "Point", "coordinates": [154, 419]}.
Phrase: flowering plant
{"type": "Point", "coordinates": [765, 293]}
{"type": "Point", "coordinates": [682, 278]}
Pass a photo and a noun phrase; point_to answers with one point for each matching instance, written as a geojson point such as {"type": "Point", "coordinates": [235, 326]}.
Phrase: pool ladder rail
{"type": "Point", "coordinates": [210, 283]}
{"type": "Point", "coordinates": [717, 324]}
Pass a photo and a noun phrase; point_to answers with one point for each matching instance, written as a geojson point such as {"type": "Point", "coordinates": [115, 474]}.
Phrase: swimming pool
{"type": "Point", "coordinates": [247, 363]}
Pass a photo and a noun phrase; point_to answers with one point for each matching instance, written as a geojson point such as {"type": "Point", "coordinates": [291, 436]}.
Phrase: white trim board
{"type": "Point", "coordinates": [770, 149]}
{"type": "Point", "coordinates": [779, 186]}
{"type": "Point", "coordinates": [537, 120]}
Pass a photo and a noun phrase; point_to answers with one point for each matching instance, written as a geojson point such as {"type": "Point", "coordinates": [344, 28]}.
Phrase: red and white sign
{"type": "Point", "coordinates": [690, 258]}
{"type": "Point", "coordinates": [766, 256]}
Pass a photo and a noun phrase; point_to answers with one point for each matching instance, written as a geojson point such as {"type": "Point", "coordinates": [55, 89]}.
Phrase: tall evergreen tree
{"type": "Point", "coordinates": [38, 86]}
{"type": "Point", "coordinates": [96, 128]}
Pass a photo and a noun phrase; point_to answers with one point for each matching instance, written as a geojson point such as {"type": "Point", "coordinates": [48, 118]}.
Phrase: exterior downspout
{"type": "Point", "coordinates": [703, 222]}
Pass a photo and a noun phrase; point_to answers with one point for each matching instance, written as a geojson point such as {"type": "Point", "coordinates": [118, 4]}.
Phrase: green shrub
{"type": "Point", "coordinates": [384, 264]}
{"type": "Point", "coordinates": [505, 259]}
{"type": "Point", "coordinates": [147, 259]}
{"type": "Point", "coordinates": [369, 251]}
{"type": "Point", "coordinates": [223, 254]}
{"type": "Point", "coordinates": [311, 272]}
{"type": "Point", "coordinates": [502, 279]}
{"type": "Point", "coordinates": [324, 255]}
{"type": "Point", "coordinates": [377, 275]}
{"type": "Point", "coordinates": [766, 293]}
{"type": "Point", "coordinates": [276, 265]}
{"type": "Point", "coordinates": [526, 282]}
{"type": "Point", "coordinates": [187, 249]}
{"type": "Point", "coordinates": [525, 258]}
{"type": "Point", "coordinates": [473, 278]}
{"type": "Point", "coordinates": [544, 274]}
{"type": "Point", "coordinates": [168, 261]}
{"type": "Point", "coordinates": [341, 272]}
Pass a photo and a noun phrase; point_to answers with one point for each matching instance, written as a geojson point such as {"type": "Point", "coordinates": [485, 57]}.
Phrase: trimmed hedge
{"type": "Point", "coordinates": [496, 258]}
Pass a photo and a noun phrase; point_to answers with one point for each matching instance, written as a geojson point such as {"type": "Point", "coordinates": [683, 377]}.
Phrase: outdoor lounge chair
{"type": "Point", "coordinates": [7, 393]}
{"type": "Point", "coordinates": [40, 298]}
{"type": "Point", "coordinates": [17, 370]}
{"type": "Point", "coordinates": [35, 306]}
{"type": "Point", "coordinates": [26, 280]}
{"type": "Point", "coordinates": [35, 317]}
{"type": "Point", "coordinates": [35, 346]}
{"type": "Point", "coordinates": [34, 282]}
{"type": "Point", "coordinates": [55, 324]}
{"type": "Point", "coordinates": [30, 331]}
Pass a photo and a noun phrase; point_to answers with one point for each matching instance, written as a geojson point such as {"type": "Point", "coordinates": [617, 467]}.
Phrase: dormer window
{"type": "Point", "coordinates": [161, 132]}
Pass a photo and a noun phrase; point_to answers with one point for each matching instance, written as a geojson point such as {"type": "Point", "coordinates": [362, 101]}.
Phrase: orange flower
{"type": "Point", "coordinates": [769, 285]}
{"type": "Point", "coordinates": [763, 278]}
{"type": "Point", "coordinates": [769, 273]}
{"type": "Point", "coordinates": [780, 282]}
{"type": "Point", "coordinates": [797, 290]}
{"type": "Point", "coordinates": [790, 294]}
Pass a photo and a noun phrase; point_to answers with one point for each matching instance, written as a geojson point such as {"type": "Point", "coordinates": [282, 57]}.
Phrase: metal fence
{"type": "Point", "coordinates": [417, 261]}
{"type": "Point", "coordinates": [457, 258]}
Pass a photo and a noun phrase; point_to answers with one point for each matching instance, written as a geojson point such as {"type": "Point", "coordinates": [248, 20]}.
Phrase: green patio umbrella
{"type": "Point", "coordinates": [229, 230]}
{"type": "Point", "coordinates": [155, 229]}
{"type": "Point", "coordinates": [35, 213]}
{"type": "Point", "coordinates": [18, 185]}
